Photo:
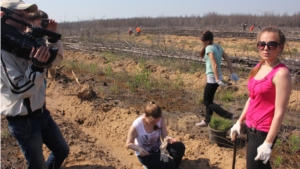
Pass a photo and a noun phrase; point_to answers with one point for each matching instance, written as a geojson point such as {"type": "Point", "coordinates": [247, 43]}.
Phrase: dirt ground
{"type": "Point", "coordinates": [96, 129]}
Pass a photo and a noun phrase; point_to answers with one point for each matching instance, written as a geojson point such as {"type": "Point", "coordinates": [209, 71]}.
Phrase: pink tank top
{"type": "Point", "coordinates": [261, 107]}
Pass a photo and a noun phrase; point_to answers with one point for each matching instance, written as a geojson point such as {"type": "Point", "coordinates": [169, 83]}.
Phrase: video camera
{"type": "Point", "coordinates": [14, 41]}
{"type": "Point", "coordinates": [44, 23]}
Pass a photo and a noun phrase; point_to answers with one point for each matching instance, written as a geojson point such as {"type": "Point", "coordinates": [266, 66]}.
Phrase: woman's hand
{"type": "Point", "coordinates": [221, 84]}
{"type": "Point", "coordinates": [143, 152]}
{"type": "Point", "coordinates": [170, 140]}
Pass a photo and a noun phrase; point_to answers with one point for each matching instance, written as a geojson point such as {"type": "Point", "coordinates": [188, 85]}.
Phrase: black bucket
{"type": "Point", "coordinates": [217, 136]}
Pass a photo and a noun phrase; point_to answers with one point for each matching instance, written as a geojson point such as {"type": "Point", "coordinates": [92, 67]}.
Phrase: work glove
{"type": "Point", "coordinates": [221, 84]}
{"type": "Point", "coordinates": [264, 152]}
{"type": "Point", "coordinates": [164, 155]}
{"type": "Point", "coordinates": [234, 77]}
{"type": "Point", "coordinates": [236, 127]}
{"type": "Point", "coordinates": [164, 158]}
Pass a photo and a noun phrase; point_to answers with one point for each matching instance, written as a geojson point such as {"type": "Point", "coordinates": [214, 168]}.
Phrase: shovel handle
{"type": "Point", "coordinates": [234, 134]}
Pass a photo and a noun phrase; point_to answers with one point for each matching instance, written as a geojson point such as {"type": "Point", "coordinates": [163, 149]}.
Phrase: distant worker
{"type": "Point", "coordinates": [245, 26]}
{"type": "Point", "coordinates": [138, 31]}
{"type": "Point", "coordinates": [259, 27]}
{"type": "Point", "coordinates": [251, 28]}
{"type": "Point", "coordinates": [130, 30]}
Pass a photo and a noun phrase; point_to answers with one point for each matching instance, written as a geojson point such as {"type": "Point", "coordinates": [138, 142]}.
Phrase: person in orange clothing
{"type": "Point", "coordinates": [138, 31]}
{"type": "Point", "coordinates": [251, 28]}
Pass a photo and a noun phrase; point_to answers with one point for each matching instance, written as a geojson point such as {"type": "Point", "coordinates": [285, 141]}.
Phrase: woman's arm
{"type": "Point", "coordinates": [132, 134]}
{"type": "Point", "coordinates": [164, 132]}
{"type": "Point", "coordinates": [238, 125]}
{"type": "Point", "coordinates": [227, 59]}
{"type": "Point", "coordinates": [283, 85]}
{"type": "Point", "coordinates": [214, 65]}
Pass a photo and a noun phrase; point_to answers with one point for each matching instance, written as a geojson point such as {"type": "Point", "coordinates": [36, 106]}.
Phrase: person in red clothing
{"type": "Point", "coordinates": [251, 28]}
{"type": "Point", "coordinates": [138, 31]}
{"type": "Point", "coordinates": [269, 86]}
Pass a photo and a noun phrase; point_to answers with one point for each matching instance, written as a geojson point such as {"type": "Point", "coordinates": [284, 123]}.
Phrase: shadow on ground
{"type": "Point", "coordinates": [203, 163]}
{"type": "Point", "coordinates": [89, 167]}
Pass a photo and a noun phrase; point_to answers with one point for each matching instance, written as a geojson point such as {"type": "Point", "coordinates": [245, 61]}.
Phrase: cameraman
{"type": "Point", "coordinates": [23, 96]}
{"type": "Point", "coordinates": [40, 19]}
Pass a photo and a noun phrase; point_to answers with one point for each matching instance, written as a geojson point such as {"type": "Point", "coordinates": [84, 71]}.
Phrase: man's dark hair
{"type": "Point", "coordinates": [37, 15]}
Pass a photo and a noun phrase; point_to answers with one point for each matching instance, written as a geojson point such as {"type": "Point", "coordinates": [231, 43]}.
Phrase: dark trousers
{"type": "Point", "coordinates": [209, 94]}
{"type": "Point", "coordinates": [152, 161]}
{"type": "Point", "coordinates": [32, 133]}
{"type": "Point", "coordinates": [255, 139]}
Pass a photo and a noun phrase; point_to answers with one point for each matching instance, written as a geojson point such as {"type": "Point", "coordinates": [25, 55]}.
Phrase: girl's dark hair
{"type": "Point", "coordinates": [206, 35]}
{"type": "Point", "coordinates": [281, 38]}
{"type": "Point", "coordinates": [153, 110]}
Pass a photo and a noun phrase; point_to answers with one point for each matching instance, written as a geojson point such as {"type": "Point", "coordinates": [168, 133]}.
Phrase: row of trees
{"type": "Point", "coordinates": [210, 19]}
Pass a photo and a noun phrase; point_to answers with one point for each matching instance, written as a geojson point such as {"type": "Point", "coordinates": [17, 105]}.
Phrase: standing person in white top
{"type": "Point", "coordinates": [213, 54]}
{"type": "Point", "coordinates": [144, 137]}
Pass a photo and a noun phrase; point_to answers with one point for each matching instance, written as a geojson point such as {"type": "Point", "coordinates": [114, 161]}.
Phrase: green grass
{"type": "Point", "coordinates": [294, 141]}
{"type": "Point", "coordinates": [278, 161]}
{"type": "Point", "coordinates": [93, 68]}
{"type": "Point", "coordinates": [108, 70]}
{"type": "Point", "coordinates": [177, 83]}
{"type": "Point", "coordinates": [4, 133]}
{"type": "Point", "coordinates": [219, 123]}
{"type": "Point", "coordinates": [226, 95]}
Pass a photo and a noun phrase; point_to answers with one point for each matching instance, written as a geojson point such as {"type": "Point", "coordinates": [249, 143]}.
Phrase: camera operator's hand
{"type": "Point", "coordinates": [52, 26]}
{"type": "Point", "coordinates": [42, 54]}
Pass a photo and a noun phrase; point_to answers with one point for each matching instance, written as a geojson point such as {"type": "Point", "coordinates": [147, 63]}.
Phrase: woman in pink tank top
{"type": "Point", "coordinates": [269, 86]}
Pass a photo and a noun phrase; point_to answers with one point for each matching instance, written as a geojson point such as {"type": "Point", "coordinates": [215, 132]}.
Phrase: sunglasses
{"type": "Point", "coordinates": [272, 45]}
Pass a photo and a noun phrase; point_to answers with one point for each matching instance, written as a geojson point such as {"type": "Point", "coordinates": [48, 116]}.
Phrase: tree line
{"type": "Point", "coordinates": [212, 19]}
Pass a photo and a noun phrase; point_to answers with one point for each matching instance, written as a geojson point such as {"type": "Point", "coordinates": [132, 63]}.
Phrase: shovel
{"type": "Point", "coordinates": [234, 148]}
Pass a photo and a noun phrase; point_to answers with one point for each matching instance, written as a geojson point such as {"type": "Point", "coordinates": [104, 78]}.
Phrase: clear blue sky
{"type": "Point", "coordinates": [74, 10]}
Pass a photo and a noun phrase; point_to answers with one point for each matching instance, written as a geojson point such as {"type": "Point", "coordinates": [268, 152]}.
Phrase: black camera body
{"type": "Point", "coordinates": [44, 23]}
{"type": "Point", "coordinates": [14, 41]}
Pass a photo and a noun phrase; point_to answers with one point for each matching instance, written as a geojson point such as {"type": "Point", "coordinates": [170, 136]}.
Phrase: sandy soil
{"type": "Point", "coordinates": [96, 129]}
